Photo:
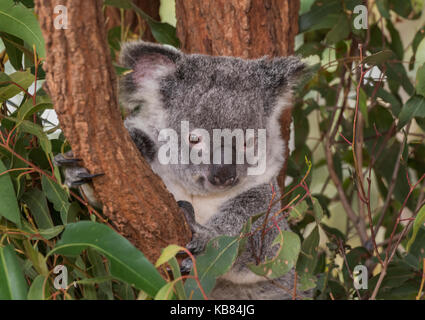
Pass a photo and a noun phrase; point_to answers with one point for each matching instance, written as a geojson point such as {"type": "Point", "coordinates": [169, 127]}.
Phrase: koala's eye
{"type": "Point", "coordinates": [249, 143]}
{"type": "Point", "coordinates": [194, 139]}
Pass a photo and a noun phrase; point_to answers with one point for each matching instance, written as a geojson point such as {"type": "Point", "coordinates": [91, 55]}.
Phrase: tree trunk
{"type": "Point", "coordinates": [82, 84]}
{"type": "Point", "coordinates": [243, 28]}
{"type": "Point", "coordinates": [151, 7]}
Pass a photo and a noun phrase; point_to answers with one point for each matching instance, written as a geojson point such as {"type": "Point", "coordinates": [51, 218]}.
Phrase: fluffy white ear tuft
{"type": "Point", "coordinates": [140, 89]}
{"type": "Point", "coordinates": [149, 62]}
{"type": "Point", "coordinates": [282, 76]}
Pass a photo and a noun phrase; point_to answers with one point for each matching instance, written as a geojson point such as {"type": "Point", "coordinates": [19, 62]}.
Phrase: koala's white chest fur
{"type": "Point", "coordinates": [204, 206]}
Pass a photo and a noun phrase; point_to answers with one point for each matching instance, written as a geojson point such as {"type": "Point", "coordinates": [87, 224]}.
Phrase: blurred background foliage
{"type": "Point", "coordinates": [357, 169]}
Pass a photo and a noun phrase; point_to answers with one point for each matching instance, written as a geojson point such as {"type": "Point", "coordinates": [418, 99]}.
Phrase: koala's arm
{"type": "Point", "coordinates": [231, 217]}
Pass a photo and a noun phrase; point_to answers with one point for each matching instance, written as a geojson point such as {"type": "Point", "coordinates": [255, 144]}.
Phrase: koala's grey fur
{"type": "Point", "coordinates": [167, 87]}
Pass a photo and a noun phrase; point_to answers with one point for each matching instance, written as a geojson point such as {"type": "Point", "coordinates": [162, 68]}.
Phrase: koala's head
{"type": "Point", "coordinates": [196, 96]}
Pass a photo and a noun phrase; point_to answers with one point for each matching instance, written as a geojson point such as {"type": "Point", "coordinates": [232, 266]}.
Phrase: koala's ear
{"type": "Point", "coordinates": [148, 61]}
{"type": "Point", "coordinates": [282, 75]}
{"type": "Point", "coordinates": [285, 72]}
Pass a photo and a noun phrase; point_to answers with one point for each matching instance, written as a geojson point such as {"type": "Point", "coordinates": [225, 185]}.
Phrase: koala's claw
{"type": "Point", "coordinates": [79, 177]}
{"type": "Point", "coordinates": [75, 175]}
{"type": "Point", "coordinates": [66, 159]}
{"type": "Point", "coordinates": [200, 234]}
{"type": "Point", "coordinates": [188, 211]}
{"type": "Point", "coordinates": [186, 266]}
{"type": "Point", "coordinates": [195, 246]}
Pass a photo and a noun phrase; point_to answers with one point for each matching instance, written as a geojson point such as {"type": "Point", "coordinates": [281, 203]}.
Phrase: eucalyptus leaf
{"type": "Point", "coordinates": [378, 58]}
{"type": "Point", "coordinates": [419, 223]}
{"type": "Point", "coordinates": [8, 203]}
{"type": "Point", "coordinates": [37, 203]}
{"type": "Point", "coordinates": [56, 195]}
{"type": "Point", "coordinates": [39, 289]}
{"type": "Point", "coordinates": [420, 81]}
{"type": "Point", "coordinates": [8, 90]}
{"type": "Point", "coordinates": [415, 107]}
{"type": "Point", "coordinates": [218, 257]}
{"type": "Point", "coordinates": [12, 282]}
{"type": "Point", "coordinates": [285, 259]}
{"type": "Point", "coordinates": [128, 264]}
{"type": "Point", "coordinates": [21, 22]}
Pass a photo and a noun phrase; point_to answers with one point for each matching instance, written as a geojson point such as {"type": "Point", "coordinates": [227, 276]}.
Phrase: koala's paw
{"type": "Point", "coordinates": [188, 211]}
{"type": "Point", "coordinates": [186, 266]}
{"type": "Point", "coordinates": [198, 242]}
{"type": "Point", "coordinates": [75, 175]}
{"type": "Point", "coordinates": [200, 235]}
{"type": "Point", "coordinates": [195, 246]}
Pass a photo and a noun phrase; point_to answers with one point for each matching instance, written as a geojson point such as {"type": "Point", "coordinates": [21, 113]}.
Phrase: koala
{"type": "Point", "coordinates": [193, 95]}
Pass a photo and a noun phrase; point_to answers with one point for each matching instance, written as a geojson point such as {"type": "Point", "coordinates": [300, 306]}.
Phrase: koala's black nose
{"type": "Point", "coordinates": [222, 175]}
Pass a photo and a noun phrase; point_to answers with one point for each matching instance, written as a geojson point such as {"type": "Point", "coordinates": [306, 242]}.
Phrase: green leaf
{"type": "Point", "coordinates": [56, 195]}
{"type": "Point", "coordinates": [28, 109]}
{"type": "Point", "coordinates": [4, 80]}
{"type": "Point", "coordinates": [320, 10]}
{"type": "Point", "coordinates": [178, 283]}
{"type": "Point", "coordinates": [12, 282]}
{"type": "Point", "coordinates": [363, 105]}
{"type": "Point", "coordinates": [39, 289]}
{"type": "Point", "coordinates": [124, 291]}
{"type": "Point", "coordinates": [8, 203]}
{"type": "Point", "coordinates": [50, 233]}
{"type": "Point", "coordinates": [167, 254]}
{"type": "Point", "coordinates": [309, 252]}
{"type": "Point", "coordinates": [396, 43]}
{"type": "Point", "coordinates": [13, 52]}
{"type": "Point", "coordinates": [100, 273]}
{"type": "Point", "coordinates": [378, 58]}
{"type": "Point", "coordinates": [397, 75]}
{"type": "Point", "coordinates": [21, 22]}
{"type": "Point", "coordinates": [121, 71]}
{"type": "Point", "coordinates": [420, 35]}
{"type": "Point", "coordinates": [166, 292]}
{"type": "Point", "coordinates": [36, 202]}
{"type": "Point", "coordinates": [317, 210]}
{"type": "Point", "coordinates": [420, 81]}
{"type": "Point", "coordinates": [285, 259]}
{"type": "Point", "coordinates": [419, 222]}
{"type": "Point", "coordinates": [339, 31]}
{"type": "Point", "coordinates": [97, 280]}
{"type": "Point", "coordinates": [391, 99]}
{"type": "Point", "coordinates": [23, 78]}
{"type": "Point", "coordinates": [417, 249]}
{"type": "Point", "coordinates": [306, 281]}
{"type": "Point", "coordinates": [37, 259]}
{"type": "Point", "coordinates": [403, 8]}
{"type": "Point", "coordinates": [298, 212]}
{"type": "Point", "coordinates": [218, 257]}
{"type": "Point", "coordinates": [333, 233]}
{"type": "Point", "coordinates": [418, 6]}
{"type": "Point", "coordinates": [36, 130]}
{"type": "Point", "coordinates": [383, 8]}
{"type": "Point", "coordinates": [415, 107]}
{"type": "Point", "coordinates": [128, 264]}
{"type": "Point", "coordinates": [162, 32]}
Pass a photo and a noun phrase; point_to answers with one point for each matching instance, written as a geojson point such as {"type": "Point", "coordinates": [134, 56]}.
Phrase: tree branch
{"type": "Point", "coordinates": [82, 84]}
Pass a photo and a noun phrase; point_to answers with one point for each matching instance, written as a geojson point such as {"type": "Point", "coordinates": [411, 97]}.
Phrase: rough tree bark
{"type": "Point", "coordinates": [151, 7]}
{"type": "Point", "coordinates": [82, 84]}
{"type": "Point", "coordinates": [244, 28]}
